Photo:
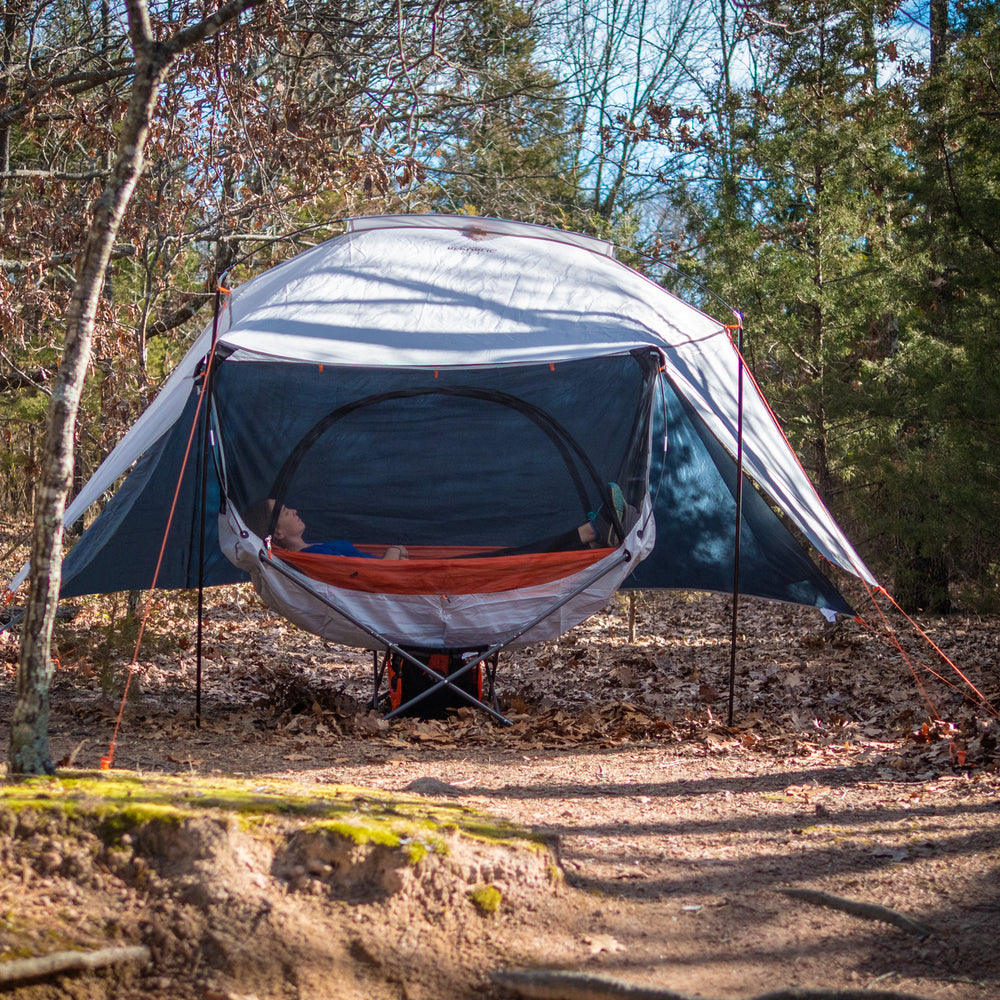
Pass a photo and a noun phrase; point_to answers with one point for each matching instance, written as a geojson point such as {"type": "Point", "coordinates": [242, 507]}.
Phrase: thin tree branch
{"type": "Point", "coordinates": [22, 379]}
{"type": "Point", "coordinates": [77, 83]}
{"type": "Point", "coordinates": [181, 315]}
{"type": "Point", "coordinates": [552, 984]}
{"type": "Point", "coordinates": [867, 911]}
{"type": "Point", "coordinates": [25, 969]}
{"type": "Point", "coordinates": [59, 260]}
{"type": "Point", "coordinates": [55, 175]}
{"type": "Point", "coordinates": [209, 26]}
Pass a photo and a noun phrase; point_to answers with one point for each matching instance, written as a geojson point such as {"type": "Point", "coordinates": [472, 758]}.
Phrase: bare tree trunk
{"type": "Point", "coordinates": [6, 49]}
{"type": "Point", "coordinates": [29, 741]}
{"type": "Point", "coordinates": [939, 34]}
{"type": "Point", "coordinates": [921, 582]}
{"type": "Point", "coordinates": [29, 744]}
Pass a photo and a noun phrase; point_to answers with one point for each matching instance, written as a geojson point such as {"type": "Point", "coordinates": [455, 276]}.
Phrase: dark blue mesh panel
{"type": "Point", "coordinates": [120, 549]}
{"type": "Point", "coordinates": [439, 468]}
{"type": "Point", "coordinates": [695, 523]}
{"type": "Point", "coordinates": [496, 456]}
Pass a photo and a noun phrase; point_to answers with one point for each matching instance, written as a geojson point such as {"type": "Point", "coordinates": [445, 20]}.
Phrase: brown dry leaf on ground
{"type": "Point", "coordinates": [675, 831]}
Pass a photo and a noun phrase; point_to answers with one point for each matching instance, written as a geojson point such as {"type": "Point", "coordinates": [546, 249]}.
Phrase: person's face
{"type": "Point", "coordinates": [289, 525]}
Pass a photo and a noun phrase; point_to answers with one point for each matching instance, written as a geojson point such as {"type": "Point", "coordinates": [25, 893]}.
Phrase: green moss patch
{"type": "Point", "coordinates": [358, 832]}
{"type": "Point", "coordinates": [117, 802]}
{"type": "Point", "coordinates": [486, 899]}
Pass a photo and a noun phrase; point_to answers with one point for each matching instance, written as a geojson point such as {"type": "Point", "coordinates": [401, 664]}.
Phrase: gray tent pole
{"type": "Point", "coordinates": [739, 517]}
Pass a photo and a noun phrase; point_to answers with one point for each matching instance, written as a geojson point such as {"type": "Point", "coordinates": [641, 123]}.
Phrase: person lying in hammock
{"type": "Point", "coordinates": [290, 528]}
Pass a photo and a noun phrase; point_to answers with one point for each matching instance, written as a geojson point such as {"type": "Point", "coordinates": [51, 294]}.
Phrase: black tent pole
{"type": "Point", "coordinates": [204, 503]}
{"type": "Point", "coordinates": [739, 518]}
{"type": "Point", "coordinates": [738, 327]}
{"type": "Point", "coordinates": [201, 574]}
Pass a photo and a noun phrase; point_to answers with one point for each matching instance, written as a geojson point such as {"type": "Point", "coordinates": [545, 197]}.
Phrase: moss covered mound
{"type": "Point", "coordinates": [351, 842]}
{"type": "Point", "coordinates": [248, 879]}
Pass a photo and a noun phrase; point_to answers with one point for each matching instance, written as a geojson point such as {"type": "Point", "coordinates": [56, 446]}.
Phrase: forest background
{"type": "Point", "coordinates": [829, 169]}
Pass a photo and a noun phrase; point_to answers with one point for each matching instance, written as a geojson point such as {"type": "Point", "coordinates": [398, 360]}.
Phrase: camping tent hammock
{"type": "Point", "coordinates": [465, 466]}
{"type": "Point", "coordinates": [466, 387]}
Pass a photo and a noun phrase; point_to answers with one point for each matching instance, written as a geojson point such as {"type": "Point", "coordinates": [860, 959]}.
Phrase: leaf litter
{"type": "Point", "coordinates": [837, 775]}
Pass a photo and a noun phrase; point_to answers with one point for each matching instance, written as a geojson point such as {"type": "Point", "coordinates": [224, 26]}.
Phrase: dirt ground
{"type": "Point", "coordinates": [850, 770]}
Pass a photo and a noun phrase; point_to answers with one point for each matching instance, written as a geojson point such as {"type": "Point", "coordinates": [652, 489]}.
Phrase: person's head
{"type": "Point", "coordinates": [288, 528]}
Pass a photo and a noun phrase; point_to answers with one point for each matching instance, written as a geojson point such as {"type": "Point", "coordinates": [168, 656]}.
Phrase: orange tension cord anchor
{"type": "Point", "coordinates": [956, 753]}
{"type": "Point", "coordinates": [108, 759]}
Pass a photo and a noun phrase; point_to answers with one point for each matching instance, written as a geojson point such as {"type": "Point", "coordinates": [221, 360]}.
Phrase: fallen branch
{"type": "Point", "coordinates": [23, 969]}
{"type": "Point", "coordinates": [549, 984]}
{"type": "Point", "coordinates": [867, 911]}
{"type": "Point", "coordinates": [798, 993]}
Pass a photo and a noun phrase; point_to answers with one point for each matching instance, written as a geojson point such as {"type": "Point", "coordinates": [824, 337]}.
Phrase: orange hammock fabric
{"type": "Point", "coordinates": [435, 570]}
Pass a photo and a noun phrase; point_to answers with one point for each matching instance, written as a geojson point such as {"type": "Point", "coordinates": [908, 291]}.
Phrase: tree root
{"type": "Point", "coordinates": [548, 984]}
{"type": "Point", "coordinates": [23, 969]}
{"type": "Point", "coordinates": [868, 911]}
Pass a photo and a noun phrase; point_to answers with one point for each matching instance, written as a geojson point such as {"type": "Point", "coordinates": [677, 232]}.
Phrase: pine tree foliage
{"type": "Point", "coordinates": [804, 223]}
{"type": "Point", "coordinates": [941, 468]}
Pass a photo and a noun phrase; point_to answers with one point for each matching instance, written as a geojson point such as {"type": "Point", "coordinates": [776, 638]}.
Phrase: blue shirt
{"type": "Point", "coordinates": [339, 548]}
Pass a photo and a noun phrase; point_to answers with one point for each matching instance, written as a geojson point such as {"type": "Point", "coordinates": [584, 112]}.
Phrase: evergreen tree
{"type": "Point", "coordinates": [853, 224]}
{"type": "Point", "coordinates": [942, 468]}
{"type": "Point", "coordinates": [805, 238]}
